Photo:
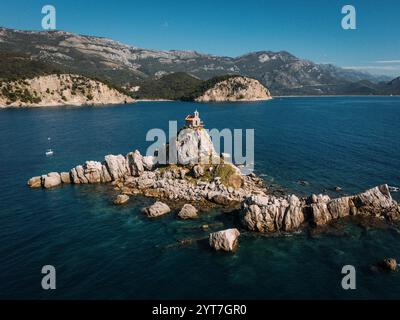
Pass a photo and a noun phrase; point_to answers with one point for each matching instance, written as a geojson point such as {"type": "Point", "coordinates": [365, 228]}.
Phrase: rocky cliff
{"type": "Point", "coordinates": [194, 146]}
{"type": "Point", "coordinates": [58, 89]}
{"type": "Point", "coordinates": [236, 88]}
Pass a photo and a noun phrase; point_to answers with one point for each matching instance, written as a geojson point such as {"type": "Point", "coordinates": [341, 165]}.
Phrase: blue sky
{"type": "Point", "coordinates": [309, 29]}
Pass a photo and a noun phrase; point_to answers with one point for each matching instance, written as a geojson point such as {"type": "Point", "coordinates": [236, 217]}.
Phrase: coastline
{"type": "Point", "coordinates": [194, 101]}
{"type": "Point", "coordinates": [36, 106]}
{"type": "Point", "coordinates": [332, 96]}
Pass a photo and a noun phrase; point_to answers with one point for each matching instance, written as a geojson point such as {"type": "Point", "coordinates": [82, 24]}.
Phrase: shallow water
{"type": "Point", "coordinates": [103, 251]}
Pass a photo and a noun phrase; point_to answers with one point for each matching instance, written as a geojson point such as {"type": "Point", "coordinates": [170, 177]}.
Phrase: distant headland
{"type": "Point", "coordinates": [143, 74]}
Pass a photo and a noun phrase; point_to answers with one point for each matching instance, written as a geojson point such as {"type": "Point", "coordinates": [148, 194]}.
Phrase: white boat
{"type": "Point", "coordinates": [49, 152]}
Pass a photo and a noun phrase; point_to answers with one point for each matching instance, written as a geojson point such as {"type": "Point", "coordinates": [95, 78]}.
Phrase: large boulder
{"type": "Point", "coordinates": [51, 180]}
{"type": "Point", "coordinates": [270, 214]}
{"type": "Point", "coordinates": [188, 212]}
{"type": "Point", "coordinates": [65, 177]}
{"type": "Point", "coordinates": [294, 215]}
{"type": "Point", "coordinates": [135, 163]}
{"type": "Point", "coordinates": [77, 175]}
{"type": "Point", "coordinates": [157, 209]}
{"type": "Point", "coordinates": [148, 162]}
{"type": "Point", "coordinates": [35, 182]}
{"type": "Point", "coordinates": [117, 166]}
{"type": "Point", "coordinates": [320, 213]}
{"type": "Point", "coordinates": [226, 240]}
{"type": "Point", "coordinates": [91, 172]}
{"type": "Point", "coordinates": [377, 202]}
{"type": "Point", "coordinates": [341, 207]}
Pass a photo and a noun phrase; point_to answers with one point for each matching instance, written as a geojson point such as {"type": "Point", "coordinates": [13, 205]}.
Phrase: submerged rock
{"type": "Point", "coordinates": [303, 183]}
{"type": "Point", "coordinates": [188, 212]}
{"type": "Point", "coordinates": [157, 209]}
{"type": "Point", "coordinates": [226, 240]}
{"type": "Point", "coordinates": [389, 264]}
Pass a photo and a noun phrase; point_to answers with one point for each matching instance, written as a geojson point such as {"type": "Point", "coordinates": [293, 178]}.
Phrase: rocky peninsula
{"type": "Point", "coordinates": [59, 90]}
{"type": "Point", "coordinates": [202, 184]}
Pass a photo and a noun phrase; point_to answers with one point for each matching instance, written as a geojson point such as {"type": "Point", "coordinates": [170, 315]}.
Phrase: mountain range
{"type": "Point", "coordinates": [132, 67]}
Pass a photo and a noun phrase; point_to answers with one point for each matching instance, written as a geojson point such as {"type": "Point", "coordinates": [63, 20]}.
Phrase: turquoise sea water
{"type": "Point", "coordinates": [108, 252]}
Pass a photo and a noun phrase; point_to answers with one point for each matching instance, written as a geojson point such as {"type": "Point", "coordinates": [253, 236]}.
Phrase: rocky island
{"type": "Point", "coordinates": [185, 87]}
{"type": "Point", "coordinates": [58, 90]}
{"type": "Point", "coordinates": [235, 88]}
{"type": "Point", "coordinates": [201, 184]}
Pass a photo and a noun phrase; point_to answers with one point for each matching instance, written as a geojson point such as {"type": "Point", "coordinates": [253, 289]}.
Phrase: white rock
{"type": "Point", "coordinates": [65, 177]}
{"type": "Point", "coordinates": [53, 179]}
{"type": "Point", "coordinates": [121, 199]}
{"type": "Point", "coordinates": [226, 240]}
{"type": "Point", "coordinates": [188, 212]}
{"type": "Point", "coordinates": [135, 163]}
{"type": "Point", "coordinates": [35, 182]}
{"type": "Point", "coordinates": [194, 146]}
{"type": "Point", "coordinates": [117, 166]}
{"type": "Point", "coordinates": [157, 209]}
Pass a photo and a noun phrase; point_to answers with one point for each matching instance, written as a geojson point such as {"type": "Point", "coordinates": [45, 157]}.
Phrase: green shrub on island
{"type": "Point", "coordinates": [169, 87]}
{"type": "Point", "coordinates": [15, 94]}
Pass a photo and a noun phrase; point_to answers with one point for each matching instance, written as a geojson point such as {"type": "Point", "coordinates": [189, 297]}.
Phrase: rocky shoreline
{"type": "Point", "coordinates": [272, 214]}
{"type": "Point", "coordinates": [202, 185]}
{"type": "Point", "coordinates": [259, 211]}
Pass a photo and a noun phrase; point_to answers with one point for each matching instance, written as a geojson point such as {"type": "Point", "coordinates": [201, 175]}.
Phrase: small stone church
{"type": "Point", "coordinates": [194, 121]}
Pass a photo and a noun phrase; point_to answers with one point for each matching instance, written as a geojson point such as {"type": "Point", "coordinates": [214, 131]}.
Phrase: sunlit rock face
{"type": "Point", "coordinates": [236, 89]}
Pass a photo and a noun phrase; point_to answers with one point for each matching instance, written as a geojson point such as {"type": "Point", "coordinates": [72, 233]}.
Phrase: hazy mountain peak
{"type": "Point", "coordinates": [280, 71]}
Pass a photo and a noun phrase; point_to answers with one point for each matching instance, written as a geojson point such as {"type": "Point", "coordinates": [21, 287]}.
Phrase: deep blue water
{"type": "Point", "coordinates": [108, 252]}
